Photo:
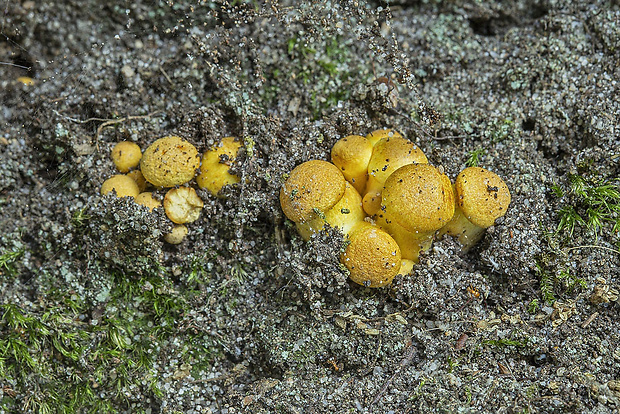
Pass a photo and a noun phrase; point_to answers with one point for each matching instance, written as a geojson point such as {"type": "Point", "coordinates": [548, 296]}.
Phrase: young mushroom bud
{"type": "Point", "coordinates": [417, 201]}
{"type": "Point", "coordinates": [351, 154]}
{"type": "Point", "coordinates": [316, 193]}
{"type": "Point", "coordinates": [215, 165]}
{"type": "Point", "coordinates": [176, 235]}
{"type": "Point", "coordinates": [372, 256]}
{"type": "Point", "coordinates": [122, 184]}
{"type": "Point", "coordinates": [389, 154]}
{"type": "Point", "coordinates": [146, 199]}
{"type": "Point", "coordinates": [481, 198]}
{"type": "Point", "coordinates": [126, 155]}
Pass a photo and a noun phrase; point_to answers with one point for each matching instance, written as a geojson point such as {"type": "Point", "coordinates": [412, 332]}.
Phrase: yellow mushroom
{"type": "Point", "coordinates": [182, 205]}
{"type": "Point", "coordinates": [176, 235]}
{"type": "Point", "coordinates": [215, 165]}
{"type": "Point", "coordinates": [169, 161]}
{"type": "Point", "coordinates": [351, 154]}
{"type": "Point", "coordinates": [147, 200]}
{"type": "Point", "coordinates": [316, 194]}
{"type": "Point", "coordinates": [379, 134]}
{"type": "Point", "coordinates": [25, 80]}
{"type": "Point", "coordinates": [389, 154]}
{"type": "Point", "coordinates": [123, 185]}
{"type": "Point", "coordinates": [126, 155]}
{"type": "Point", "coordinates": [481, 198]}
{"type": "Point", "coordinates": [417, 201]}
{"type": "Point", "coordinates": [372, 256]}
{"type": "Point", "coordinates": [138, 178]}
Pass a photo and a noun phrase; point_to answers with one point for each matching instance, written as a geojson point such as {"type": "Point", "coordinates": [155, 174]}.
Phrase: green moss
{"type": "Point", "coordinates": [80, 217]}
{"type": "Point", "coordinates": [84, 357]}
{"type": "Point", "coordinates": [504, 342]}
{"type": "Point", "coordinates": [322, 67]}
{"type": "Point", "coordinates": [532, 307]}
{"type": "Point", "coordinates": [592, 204]}
{"type": "Point", "coordinates": [474, 157]}
{"type": "Point", "coordinates": [8, 259]}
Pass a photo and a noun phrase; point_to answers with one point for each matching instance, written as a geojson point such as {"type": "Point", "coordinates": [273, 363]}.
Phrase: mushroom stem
{"type": "Point", "coordinates": [411, 243]}
{"type": "Point", "coordinates": [406, 267]}
{"type": "Point", "coordinates": [467, 233]}
{"type": "Point", "coordinates": [481, 198]}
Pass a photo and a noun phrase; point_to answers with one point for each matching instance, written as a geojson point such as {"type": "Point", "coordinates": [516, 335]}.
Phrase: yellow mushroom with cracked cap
{"type": "Point", "coordinates": [169, 161]}
{"type": "Point", "coordinates": [182, 205]}
{"type": "Point", "coordinates": [481, 198]}
{"type": "Point", "coordinates": [215, 164]}
{"type": "Point", "coordinates": [316, 194]}
{"type": "Point", "coordinates": [417, 201]}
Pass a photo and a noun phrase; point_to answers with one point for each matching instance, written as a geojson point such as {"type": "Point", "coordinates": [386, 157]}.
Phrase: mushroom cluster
{"type": "Point", "coordinates": [172, 162]}
{"type": "Point", "coordinates": [389, 203]}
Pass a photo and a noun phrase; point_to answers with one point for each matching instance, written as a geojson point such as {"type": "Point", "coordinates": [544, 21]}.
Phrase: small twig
{"type": "Point", "coordinates": [15, 65]}
{"type": "Point", "coordinates": [163, 72]}
{"type": "Point", "coordinates": [593, 246]}
{"type": "Point", "coordinates": [589, 320]}
{"type": "Point", "coordinates": [447, 137]}
{"type": "Point", "coordinates": [106, 122]}
{"type": "Point", "coordinates": [409, 353]}
{"type": "Point", "coordinates": [118, 121]}
{"type": "Point", "coordinates": [220, 378]}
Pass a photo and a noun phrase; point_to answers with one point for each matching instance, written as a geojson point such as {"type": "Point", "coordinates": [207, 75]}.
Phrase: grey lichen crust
{"type": "Point", "coordinates": [97, 314]}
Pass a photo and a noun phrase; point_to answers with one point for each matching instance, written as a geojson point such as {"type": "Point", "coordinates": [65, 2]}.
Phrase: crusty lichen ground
{"type": "Point", "coordinates": [97, 314]}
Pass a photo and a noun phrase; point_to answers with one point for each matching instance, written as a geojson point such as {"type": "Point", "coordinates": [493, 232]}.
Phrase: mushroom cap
{"type": "Point", "coordinates": [169, 161]}
{"type": "Point", "coordinates": [378, 134]}
{"type": "Point", "coordinates": [312, 186]}
{"type": "Point", "coordinates": [138, 177]}
{"type": "Point", "coordinates": [391, 153]}
{"type": "Point", "coordinates": [372, 256]}
{"type": "Point", "coordinates": [215, 165]}
{"type": "Point", "coordinates": [351, 154]}
{"type": "Point", "coordinates": [419, 198]}
{"type": "Point", "coordinates": [176, 235]}
{"type": "Point", "coordinates": [482, 195]}
{"type": "Point", "coordinates": [126, 155]}
{"type": "Point", "coordinates": [146, 199]}
{"type": "Point", "coordinates": [182, 205]}
{"type": "Point", "coordinates": [123, 185]}
{"type": "Point", "coordinates": [344, 215]}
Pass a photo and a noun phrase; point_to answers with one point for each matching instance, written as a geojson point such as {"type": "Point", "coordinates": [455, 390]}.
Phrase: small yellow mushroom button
{"type": "Point", "coordinates": [126, 155]}
{"type": "Point", "coordinates": [147, 200]}
{"type": "Point", "coordinates": [123, 185]}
